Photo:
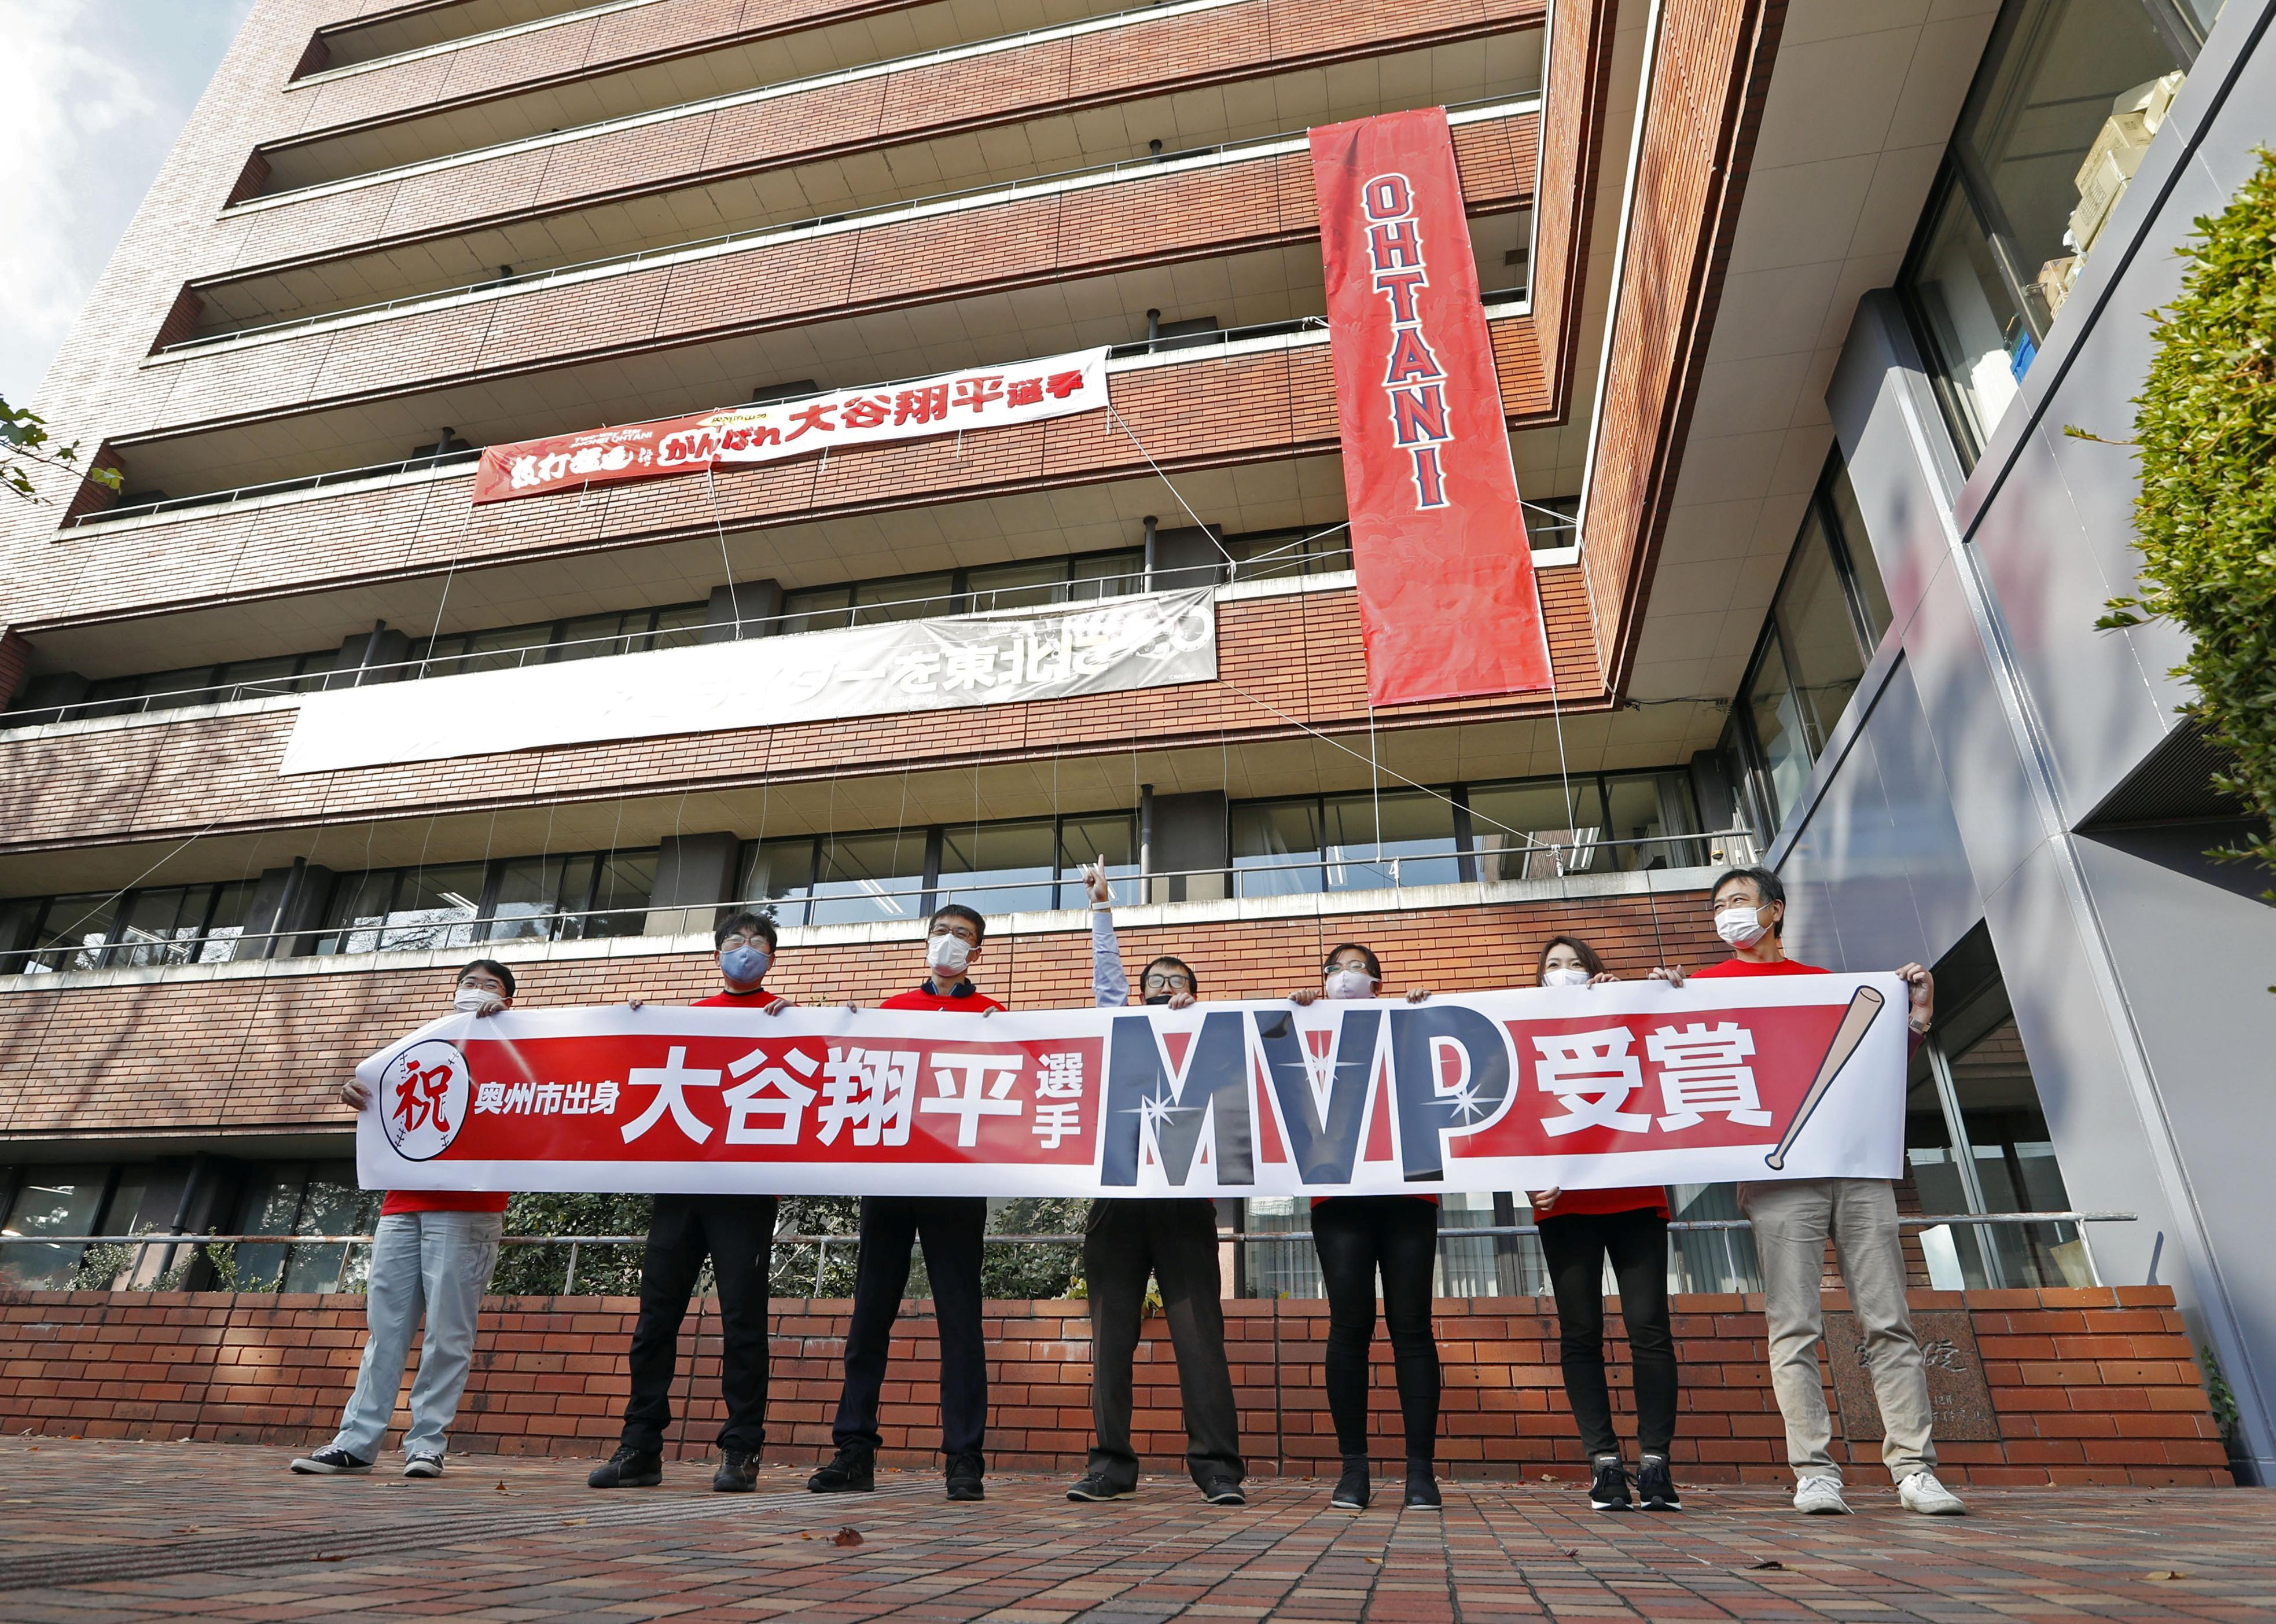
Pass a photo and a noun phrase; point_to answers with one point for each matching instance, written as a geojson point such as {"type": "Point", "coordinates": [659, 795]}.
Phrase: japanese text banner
{"type": "Point", "coordinates": [977, 398]}
{"type": "Point", "coordinates": [1587, 1088]}
{"type": "Point", "coordinates": [904, 666]}
{"type": "Point", "coordinates": [1447, 606]}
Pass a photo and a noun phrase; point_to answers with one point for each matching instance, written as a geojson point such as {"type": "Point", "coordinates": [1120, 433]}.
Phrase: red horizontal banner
{"type": "Point", "coordinates": [1587, 1087]}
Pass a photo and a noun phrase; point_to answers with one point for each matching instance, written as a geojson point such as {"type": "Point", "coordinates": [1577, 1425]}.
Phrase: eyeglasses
{"type": "Point", "coordinates": [1168, 983]}
{"type": "Point", "coordinates": [742, 941]}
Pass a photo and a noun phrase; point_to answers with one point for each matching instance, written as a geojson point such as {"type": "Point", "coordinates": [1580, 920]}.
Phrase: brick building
{"type": "Point", "coordinates": [392, 235]}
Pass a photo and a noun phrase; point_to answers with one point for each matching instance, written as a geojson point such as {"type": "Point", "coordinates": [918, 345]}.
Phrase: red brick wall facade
{"type": "Point", "coordinates": [2089, 1386]}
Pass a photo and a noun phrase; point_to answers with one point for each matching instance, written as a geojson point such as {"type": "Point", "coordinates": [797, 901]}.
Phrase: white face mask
{"type": "Point", "coordinates": [477, 1001]}
{"type": "Point", "coordinates": [948, 954]}
{"type": "Point", "coordinates": [1348, 984]}
{"type": "Point", "coordinates": [1740, 927]}
{"type": "Point", "coordinates": [1564, 976]}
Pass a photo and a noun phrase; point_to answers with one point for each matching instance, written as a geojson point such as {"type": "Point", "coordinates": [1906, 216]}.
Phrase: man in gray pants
{"type": "Point", "coordinates": [1174, 1239]}
{"type": "Point", "coordinates": [1795, 1217]}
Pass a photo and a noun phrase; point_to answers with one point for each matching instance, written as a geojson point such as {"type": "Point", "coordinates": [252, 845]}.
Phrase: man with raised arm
{"type": "Point", "coordinates": [1174, 1239]}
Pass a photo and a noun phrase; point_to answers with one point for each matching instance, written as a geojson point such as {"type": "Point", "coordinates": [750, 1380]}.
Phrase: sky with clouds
{"type": "Point", "coordinates": [97, 91]}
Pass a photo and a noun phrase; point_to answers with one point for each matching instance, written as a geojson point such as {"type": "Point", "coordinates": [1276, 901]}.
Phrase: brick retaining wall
{"type": "Point", "coordinates": [2089, 1386]}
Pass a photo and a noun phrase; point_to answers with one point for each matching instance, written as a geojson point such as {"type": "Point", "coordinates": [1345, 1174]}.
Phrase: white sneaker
{"type": "Point", "coordinates": [1821, 1497]}
{"type": "Point", "coordinates": [1922, 1492]}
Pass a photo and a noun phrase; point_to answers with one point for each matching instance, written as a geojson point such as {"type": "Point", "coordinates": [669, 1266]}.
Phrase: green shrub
{"type": "Point", "coordinates": [2205, 432]}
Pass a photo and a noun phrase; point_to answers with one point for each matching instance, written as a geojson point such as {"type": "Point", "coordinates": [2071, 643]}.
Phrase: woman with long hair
{"type": "Point", "coordinates": [1580, 1229]}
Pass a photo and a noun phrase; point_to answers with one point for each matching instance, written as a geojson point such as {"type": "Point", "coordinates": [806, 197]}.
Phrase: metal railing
{"type": "Point", "coordinates": [474, 930]}
{"type": "Point", "coordinates": [1009, 190]}
{"type": "Point", "coordinates": [145, 1241]}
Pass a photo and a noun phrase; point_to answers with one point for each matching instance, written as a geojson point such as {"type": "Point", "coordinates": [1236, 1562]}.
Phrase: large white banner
{"type": "Point", "coordinates": [1134, 642]}
{"type": "Point", "coordinates": [1778, 1077]}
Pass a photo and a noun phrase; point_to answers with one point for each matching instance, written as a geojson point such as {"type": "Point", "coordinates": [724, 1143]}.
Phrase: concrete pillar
{"type": "Point", "coordinates": [362, 651]}
{"type": "Point", "coordinates": [289, 898]}
{"type": "Point", "coordinates": [695, 874]}
{"type": "Point", "coordinates": [746, 601]}
{"type": "Point", "coordinates": [1190, 832]}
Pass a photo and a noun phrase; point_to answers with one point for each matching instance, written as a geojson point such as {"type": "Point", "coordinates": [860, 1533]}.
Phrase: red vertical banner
{"type": "Point", "coordinates": [1447, 605]}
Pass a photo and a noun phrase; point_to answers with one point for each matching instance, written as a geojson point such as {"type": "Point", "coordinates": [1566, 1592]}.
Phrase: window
{"type": "Point", "coordinates": [181, 924]}
{"type": "Point", "coordinates": [2066, 102]}
{"type": "Point", "coordinates": [65, 1200]}
{"type": "Point", "coordinates": [451, 906]}
{"type": "Point", "coordinates": [1825, 620]}
{"type": "Point", "coordinates": [197, 684]}
{"type": "Point", "coordinates": [1001, 866]}
{"type": "Point", "coordinates": [1976, 1140]}
{"type": "Point", "coordinates": [1275, 555]}
{"type": "Point", "coordinates": [1531, 828]}
{"type": "Point", "coordinates": [303, 1198]}
{"type": "Point", "coordinates": [1023, 583]}
{"type": "Point", "coordinates": [583, 637]}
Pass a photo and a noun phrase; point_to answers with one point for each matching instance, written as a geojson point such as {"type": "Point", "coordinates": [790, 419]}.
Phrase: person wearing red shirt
{"type": "Point", "coordinates": [1794, 1218]}
{"type": "Point", "coordinates": [736, 1233]}
{"type": "Point", "coordinates": [1580, 1230]}
{"type": "Point", "coordinates": [1356, 1237]}
{"type": "Point", "coordinates": [432, 1254]}
{"type": "Point", "coordinates": [950, 1228]}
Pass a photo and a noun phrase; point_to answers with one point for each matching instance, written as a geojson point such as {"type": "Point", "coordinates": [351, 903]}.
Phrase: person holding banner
{"type": "Point", "coordinates": [1174, 1240]}
{"type": "Point", "coordinates": [950, 1228]}
{"type": "Point", "coordinates": [735, 1233]}
{"type": "Point", "coordinates": [1580, 1230]}
{"type": "Point", "coordinates": [432, 1253]}
{"type": "Point", "coordinates": [1356, 1237]}
{"type": "Point", "coordinates": [1794, 1218]}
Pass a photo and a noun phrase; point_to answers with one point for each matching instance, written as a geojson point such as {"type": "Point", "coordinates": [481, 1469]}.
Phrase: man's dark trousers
{"type": "Point", "coordinates": [950, 1227]}
{"type": "Point", "coordinates": [737, 1233]}
{"type": "Point", "coordinates": [1174, 1240]}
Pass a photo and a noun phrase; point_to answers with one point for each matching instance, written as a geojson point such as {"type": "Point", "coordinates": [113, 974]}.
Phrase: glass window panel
{"type": "Point", "coordinates": [1107, 574]}
{"type": "Point", "coordinates": [71, 935]}
{"type": "Point", "coordinates": [678, 626]}
{"type": "Point", "coordinates": [270, 1204]}
{"type": "Point", "coordinates": [1536, 830]}
{"type": "Point", "coordinates": [1980, 344]}
{"type": "Point", "coordinates": [360, 904]}
{"type": "Point", "coordinates": [251, 678]}
{"type": "Point", "coordinates": [1639, 807]}
{"type": "Point", "coordinates": [622, 883]}
{"type": "Point", "coordinates": [1819, 635]}
{"type": "Point", "coordinates": [1857, 547]}
{"type": "Point", "coordinates": [506, 648]}
{"type": "Point", "coordinates": [1779, 730]}
{"type": "Point", "coordinates": [1551, 522]}
{"type": "Point", "coordinates": [871, 877]}
{"type": "Point", "coordinates": [1466, 1268]}
{"type": "Point", "coordinates": [1276, 847]}
{"type": "Point", "coordinates": [1111, 835]}
{"type": "Point", "coordinates": [1416, 828]}
{"type": "Point", "coordinates": [780, 872]}
{"type": "Point", "coordinates": [123, 1212]}
{"type": "Point", "coordinates": [530, 897]}
{"type": "Point", "coordinates": [1281, 1268]}
{"type": "Point", "coordinates": [435, 908]}
{"type": "Point", "coordinates": [54, 1200]}
{"type": "Point", "coordinates": [232, 906]}
{"type": "Point", "coordinates": [904, 597]}
{"type": "Point", "coordinates": [1015, 586]}
{"type": "Point", "coordinates": [1014, 860]}
{"type": "Point", "coordinates": [591, 637]}
{"type": "Point", "coordinates": [816, 608]}
{"type": "Point", "coordinates": [331, 1204]}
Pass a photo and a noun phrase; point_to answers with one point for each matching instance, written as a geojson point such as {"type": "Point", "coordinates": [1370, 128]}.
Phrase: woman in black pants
{"type": "Point", "coordinates": [1357, 1235]}
{"type": "Point", "coordinates": [1579, 1230]}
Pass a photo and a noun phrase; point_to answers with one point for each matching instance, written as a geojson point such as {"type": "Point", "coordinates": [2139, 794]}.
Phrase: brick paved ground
{"type": "Point", "coordinates": [92, 1530]}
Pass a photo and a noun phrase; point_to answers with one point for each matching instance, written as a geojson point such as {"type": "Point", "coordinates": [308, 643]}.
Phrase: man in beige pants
{"type": "Point", "coordinates": [1794, 1218]}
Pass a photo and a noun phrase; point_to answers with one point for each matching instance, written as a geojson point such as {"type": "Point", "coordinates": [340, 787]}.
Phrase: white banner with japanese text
{"type": "Point", "coordinates": [1025, 391]}
{"type": "Point", "coordinates": [1638, 1083]}
{"type": "Point", "coordinates": [903, 665]}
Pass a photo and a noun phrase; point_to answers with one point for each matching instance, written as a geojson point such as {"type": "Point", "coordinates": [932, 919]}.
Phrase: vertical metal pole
{"type": "Point", "coordinates": [1146, 842]}
{"type": "Point", "coordinates": [1279, 1434]}
{"type": "Point", "coordinates": [1963, 1157]}
{"type": "Point", "coordinates": [569, 1279]}
{"type": "Point", "coordinates": [821, 1259]}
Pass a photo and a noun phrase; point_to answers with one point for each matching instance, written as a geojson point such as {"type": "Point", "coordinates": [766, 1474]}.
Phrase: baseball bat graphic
{"type": "Point", "coordinates": [1847, 1037]}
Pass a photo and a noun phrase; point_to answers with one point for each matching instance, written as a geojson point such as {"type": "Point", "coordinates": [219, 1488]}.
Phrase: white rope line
{"type": "Point", "coordinates": [1232, 565]}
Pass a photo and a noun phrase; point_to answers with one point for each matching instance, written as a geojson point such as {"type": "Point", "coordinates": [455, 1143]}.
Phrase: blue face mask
{"type": "Point", "coordinates": [746, 966]}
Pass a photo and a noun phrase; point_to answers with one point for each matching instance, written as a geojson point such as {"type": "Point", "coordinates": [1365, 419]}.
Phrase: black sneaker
{"type": "Point", "coordinates": [327, 1461]}
{"type": "Point", "coordinates": [1610, 1490]}
{"type": "Point", "coordinates": [1099, 1487]}
{"type": "Point", "coordinates": [853, 1471]}
{"type": "Point", "coordinates": [738, 1473]}
{"type": "Point", "coordinates": [628, 1468]}
{"type": "Point", "coordinates": [423, 1466]}
{"type": "Point", "coordinates": [1422, 1487]}
{"type": "Point", "coordinates": [1224, 1491]}
{"type": "Point", "coordinates": [1352, 1490]}
{"type": "Point", "coordinates": [964, 1474]}
{"type": "Point", "coordinates": [1656, 1485]}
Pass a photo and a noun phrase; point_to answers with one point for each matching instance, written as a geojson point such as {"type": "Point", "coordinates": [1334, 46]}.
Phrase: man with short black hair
{"type": "Point", "coordinates": [736, 1233]}
{"type": "Point", "coordinates": [1794, 1218]}
{"type": "Point", "coordinates": [950, 1228]}
{"type": "Point", "coordinates": [432, 1253]}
